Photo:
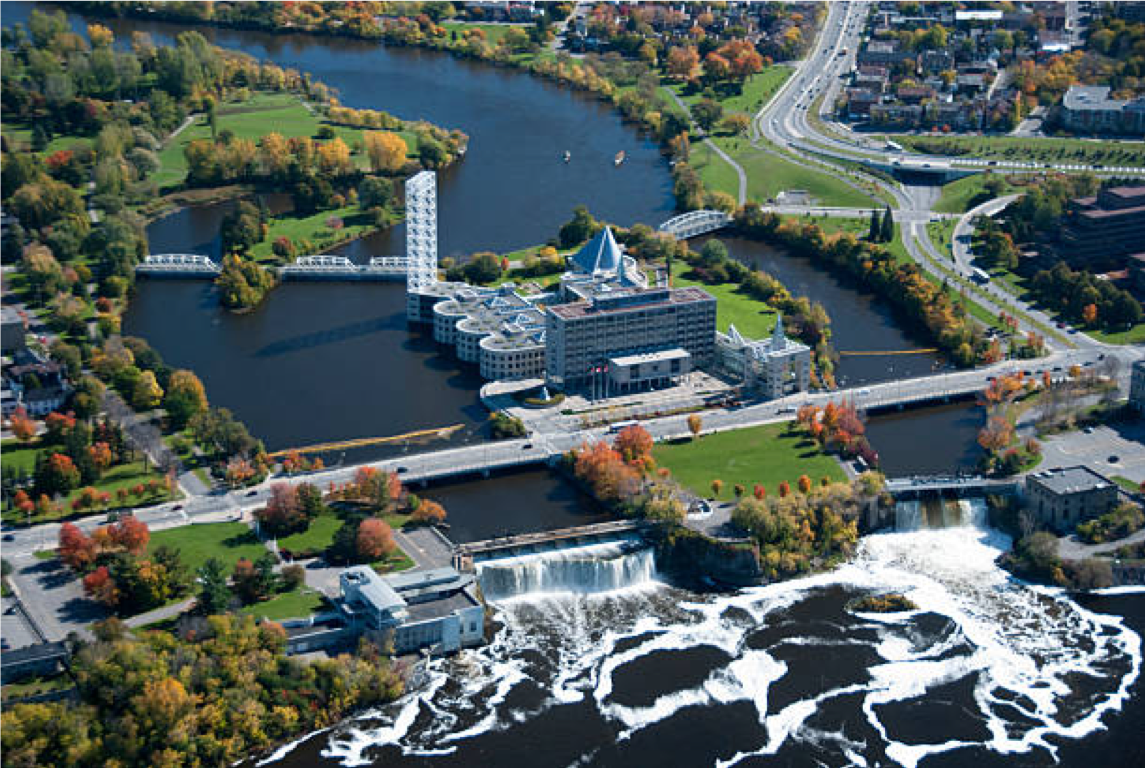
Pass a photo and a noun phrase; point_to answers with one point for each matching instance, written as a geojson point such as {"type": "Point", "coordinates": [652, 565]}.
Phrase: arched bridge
{"type": "Point", "coordinates": [694, 223]}
{"type": "Point", "coordinates": [180, 264]}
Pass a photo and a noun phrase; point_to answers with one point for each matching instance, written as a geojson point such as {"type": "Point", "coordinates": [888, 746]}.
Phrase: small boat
{"type": "Point", "coordinates": [619, 158]}
{"type": "Point", "coordinates": [568, 156]}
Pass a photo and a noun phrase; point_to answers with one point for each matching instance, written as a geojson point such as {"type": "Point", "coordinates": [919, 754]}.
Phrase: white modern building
{"type": "Point", "coordinates": [772, 367]}
{"type": "Point", "coordinates": [436, 609]}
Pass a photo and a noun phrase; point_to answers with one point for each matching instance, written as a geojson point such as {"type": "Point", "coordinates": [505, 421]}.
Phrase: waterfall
{"type": "Point", "coordinates": [914, 515]}
{"type": "Point", "coordinates": [581, 569]}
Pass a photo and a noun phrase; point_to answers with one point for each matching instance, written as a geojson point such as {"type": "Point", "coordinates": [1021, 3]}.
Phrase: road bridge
{"type": "Point", "coordinates": [695, 223]}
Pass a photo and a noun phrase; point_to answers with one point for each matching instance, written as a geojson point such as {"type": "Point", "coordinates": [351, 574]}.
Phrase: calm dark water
{"type": "Point", "coordinates": [927, 440]}
{"type": "Point", "coordinates": [515, 502]}
{"type": "Point", "coordinates": [859, 321]}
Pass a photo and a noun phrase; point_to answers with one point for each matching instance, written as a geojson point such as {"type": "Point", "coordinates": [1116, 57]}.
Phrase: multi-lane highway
{"type": "Point", "coordinates": [817, 142]}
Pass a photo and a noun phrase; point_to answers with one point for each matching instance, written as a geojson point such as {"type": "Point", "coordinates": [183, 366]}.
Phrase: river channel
{"type": "Point", "coordinates": [988, 670]}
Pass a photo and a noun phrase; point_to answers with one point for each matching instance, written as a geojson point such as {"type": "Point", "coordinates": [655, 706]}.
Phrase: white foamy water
{"type": "Point", "coordinates": [1038, 665]}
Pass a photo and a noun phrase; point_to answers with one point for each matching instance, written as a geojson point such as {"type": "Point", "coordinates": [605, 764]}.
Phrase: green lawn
{"type": "Point", "coordinates": [290, 605]}
{"type": "Point", "coordinates": [1025, 149]}
{"type": "Point", "coordinates": [768, 174]}
{"type": "Point", "coordinates": [120, 476]}
{"type": "Point", "coordinates": [751, 317]}
{"type": "Point", "coordinates": [756, 91]}
{"type": "Point", "coordinates": [229, 542]}
{"type": "Point", "coordinates": [942, 235]}
{"type": "Point", "coordinates": [22, 458]}
{"type": "Point", "coordinates": [767, 455]}
{"type": "Point", "coordinates": [1135, 335]}
{"type": "Point", "coordinates": [318, 536]}
{"type": "Point", "coordinates": [494, 33]}
{"type": "Point", "coordinates": [962, 195]}
{"type": "Point", "coordinates": [313, 228]}
{"type": "Point", "coordinates": [395, 562]}
{"type": "Point", "coordinates": [1126, 483]}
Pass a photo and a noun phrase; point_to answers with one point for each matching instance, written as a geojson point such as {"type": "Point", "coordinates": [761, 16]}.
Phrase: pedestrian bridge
{"type": "Point", "coordinates": [177, 265]}
{"type": "Point", "coordinates": [319, 267]}
{"type": "Point", "coordinates": [958, 485]}
{"type": "Point", "coordinates": [694, 223]}
{"type": "Point", "coordinates": [324, 267]}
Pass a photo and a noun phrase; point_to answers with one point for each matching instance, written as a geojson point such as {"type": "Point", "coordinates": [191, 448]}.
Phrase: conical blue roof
{"type": "Point", "coordinates": [600, 254]}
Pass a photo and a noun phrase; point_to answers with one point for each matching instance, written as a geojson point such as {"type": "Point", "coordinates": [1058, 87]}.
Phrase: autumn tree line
{"type": "Point", "coordinates": [220, 691]}
{"type": "Point", "coordinates": [797, 530]}
{"type": "Point", "coordinates": [362, 504]}
{"type": "Point", "coordinates": [934, 308]}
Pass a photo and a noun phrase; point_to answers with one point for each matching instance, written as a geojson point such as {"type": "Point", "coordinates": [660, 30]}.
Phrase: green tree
{"type": "Point", "coordinates": [214, 594]}
{"type": "Point", "coordinates": [887, 233]}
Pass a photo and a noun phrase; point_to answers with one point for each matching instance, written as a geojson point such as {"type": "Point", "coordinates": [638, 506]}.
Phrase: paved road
{"type": "Point", "coordinates": [786, 123]}
{"type": "Point", "coordinates": [964, 230]}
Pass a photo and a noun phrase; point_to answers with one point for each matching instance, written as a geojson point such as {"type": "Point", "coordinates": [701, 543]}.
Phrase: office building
{"type": "Point", "coordinates": [771, 367]}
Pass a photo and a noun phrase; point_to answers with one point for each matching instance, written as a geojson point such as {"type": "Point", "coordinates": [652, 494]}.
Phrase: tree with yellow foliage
{"type": "Point", "coordinates": [386, 150]}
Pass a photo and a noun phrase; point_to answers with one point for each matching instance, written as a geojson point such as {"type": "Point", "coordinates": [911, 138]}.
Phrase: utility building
{"type": "Point", "coordinates": [1062, 498]}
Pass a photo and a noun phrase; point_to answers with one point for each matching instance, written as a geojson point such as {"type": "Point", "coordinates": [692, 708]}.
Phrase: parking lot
{"type": "Point", "coordinates": [1098, 447]}
{"type": "Point", "coordinates": [14, 627]}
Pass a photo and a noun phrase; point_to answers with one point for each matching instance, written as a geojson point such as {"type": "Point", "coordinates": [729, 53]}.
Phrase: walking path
{"type": "Point", "coordinates": [711, 144]}
{"type": "Point", "coordinates": [160, 614]}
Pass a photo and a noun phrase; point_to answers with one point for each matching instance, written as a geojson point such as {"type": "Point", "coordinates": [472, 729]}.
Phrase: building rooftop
{"type": "Point", "coordinates": [628, 299]}
{"type": "Point", "coordinates": [1070, 480]}
{"type": "Point", "coordinates": [373, 588]}
{"type": "Point", "coordinates": [651, 357]}
{"type": "Point", "coordinates": [600, 254]}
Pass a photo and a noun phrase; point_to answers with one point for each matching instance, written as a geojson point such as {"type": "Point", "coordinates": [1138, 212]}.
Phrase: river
{"type": "Point", "coordinates": [648, 674]}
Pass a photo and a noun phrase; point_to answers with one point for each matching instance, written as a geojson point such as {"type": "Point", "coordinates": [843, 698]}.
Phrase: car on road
{"type": "Point", "coordinates": [9, 537]}
{"type": "Point", "coordinates": [526, 446]}
{"type": "Point", "coordinates": [402, 470]}
{"type": "Point", "coordinates": [1114, 459]}
{"type": "Point", "coordinates": [252, 493]}
{"type": "Point", "coordinates": [177, 508]}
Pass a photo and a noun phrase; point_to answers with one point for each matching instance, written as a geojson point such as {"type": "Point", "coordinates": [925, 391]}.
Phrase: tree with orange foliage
{"type": "Point", "coordinates": [717, 486]}
{"type": "Point", "coordinates": [997, 434]}
{"type": "Point", "coordinates": [23, 502]}
{"type": "Point", "coordinates": [76, 549]}
{"type": "Point", "coordinates": [784, 490]}
{"type": "Point", "coordinates": [804, 484]}
{"type": "Point", "coordinates": [101, 587]}
{"type": "Point", "coordinates": [682, 61]}
{"type": "Point", "coordinates": [428, 512]}
{"type": "Point", "coordinates": [22, 427]}
{"type": "Point", "coordinates": [759, 492]}
{"type": "Point", "coordinates": [375, 539]}
{"type": "Point", "coordinates": [634, 443]}
{"type": "Point", "coordinates": [131, 533]}
{"type": "Point", "coordinates": [1089, 313]}
{"type": "Point", "coordinates": [695, 424]}
{"type": "Point", "coordinates": [101, 456]}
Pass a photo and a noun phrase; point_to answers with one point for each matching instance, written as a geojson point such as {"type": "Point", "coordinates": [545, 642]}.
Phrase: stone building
{"type": "Point", "coordinates": [1062, 498]}
{"type": "Point", "coordinates": [772, 367]}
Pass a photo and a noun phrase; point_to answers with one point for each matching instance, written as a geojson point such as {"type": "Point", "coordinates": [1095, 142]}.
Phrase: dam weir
{"type": "Point", "coordinates": [580, 569]}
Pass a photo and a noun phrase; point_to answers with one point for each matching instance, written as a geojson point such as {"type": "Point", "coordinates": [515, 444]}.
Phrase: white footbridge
{"type": "Point", "coordinates": [320, 267]}
{"type": "Point", "coordinates": [695, 223]}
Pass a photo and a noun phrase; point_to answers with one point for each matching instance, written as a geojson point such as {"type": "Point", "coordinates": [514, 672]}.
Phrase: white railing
{"type": "Point", "coordinates": [177, 262]}
{"type": "Point", "coordinates": [695, 223]}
